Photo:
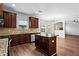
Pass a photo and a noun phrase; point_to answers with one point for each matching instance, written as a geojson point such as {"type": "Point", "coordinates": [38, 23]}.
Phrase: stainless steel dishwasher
{"type": "Point", "coordinates": [32, 37]}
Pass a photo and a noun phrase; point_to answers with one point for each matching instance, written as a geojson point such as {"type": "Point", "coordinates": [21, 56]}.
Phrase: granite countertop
{"type": "Point", "coordinates": [6, 32]}
{"type": "Point", "coordinates": [46, 34]}
{"type": "Point", "coordinates": [3, 47]}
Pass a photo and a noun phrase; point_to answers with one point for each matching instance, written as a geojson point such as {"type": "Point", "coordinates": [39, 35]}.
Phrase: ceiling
{"type": "Point", "coordinates": [48, 10]}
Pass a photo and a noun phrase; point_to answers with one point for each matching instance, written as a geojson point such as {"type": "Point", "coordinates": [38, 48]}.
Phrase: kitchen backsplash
{"type": "Point", "coordinates": [5, 31]}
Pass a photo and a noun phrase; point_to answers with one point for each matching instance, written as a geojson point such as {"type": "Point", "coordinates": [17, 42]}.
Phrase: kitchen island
{"type": "Point", "coordinates": [46, 43]}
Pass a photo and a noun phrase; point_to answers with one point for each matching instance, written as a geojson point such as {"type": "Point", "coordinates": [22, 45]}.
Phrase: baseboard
{"type": "Point", "coordinates": [71, 35]}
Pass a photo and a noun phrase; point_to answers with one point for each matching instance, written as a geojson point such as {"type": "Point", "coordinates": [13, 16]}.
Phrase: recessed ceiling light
{"type": "Point", "coordinates": [13, 5]}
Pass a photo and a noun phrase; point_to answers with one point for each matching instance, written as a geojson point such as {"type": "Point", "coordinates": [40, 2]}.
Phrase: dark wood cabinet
{"type": "Point", "coordinates": [33, 22]}
{"type": "Point", "coordinates": [9, 19]}
{"type": "Point", "coordinates": [46, 44]}
{"type": "Point", "coordinates": [20, 39]}
{"type": "Point", "coordinates": [1, 15]}
{"type": "Point", "coordinates": [14, 40]}
{"type": "Point", "coordinates": [28, 38]}
{"type": "Point", "coordinates": [1, 9]}
{"type": "Point", "coordinates": [13, 20]}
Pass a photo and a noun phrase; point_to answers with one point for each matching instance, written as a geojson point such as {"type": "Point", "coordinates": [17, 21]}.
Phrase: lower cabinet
{"type": "Point", "coordinates": [20, 39]}
{"type": "Point", "coordinates": [14, 40]}
{"type": "Point", "coordinates": [28, 38]}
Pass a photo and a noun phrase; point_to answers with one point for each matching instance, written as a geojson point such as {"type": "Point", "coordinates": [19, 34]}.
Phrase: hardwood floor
{"type": "Point", "coordinates": [68, 46]}
{"type": "Point", "coordinates": [65, 47]}
{"type": "Point", "coordinates": [27, 49]}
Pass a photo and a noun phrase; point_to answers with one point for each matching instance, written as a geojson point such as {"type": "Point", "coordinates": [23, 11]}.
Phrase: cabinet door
{"type": "Point", "coordinates": [13, 20]}
{"type": "Point", "coordinates": [44, 43]}
{"type": "Point", "coordinates": [1, 9]}
{"type": "Point", "coordinates": [33, 22]}
{"type": "Point", "coordinates": [9, 19]}
{"type": "Point", "coordinates": [28, 37]}
{"type": "Point", "coordinates": [15, 40]}
{"type": "Point", "coordinates": [21, 38]}
{"type": "Point", "coordinates": [5, 17]}
{"type": "Point", "coordinates": [36, 22]}
{"type": "Point", "coordinates": [38, 41]}
{"type": "Point", "coordinates": [1, 14]}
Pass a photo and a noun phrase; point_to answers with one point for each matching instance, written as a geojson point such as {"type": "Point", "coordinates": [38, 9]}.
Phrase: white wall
{"type": "Point", "coordinates": [20, 17]}
{"type": "Point", "coordinates": [72, 28]}
{"type": "Point", "coordinates": [49, 26]}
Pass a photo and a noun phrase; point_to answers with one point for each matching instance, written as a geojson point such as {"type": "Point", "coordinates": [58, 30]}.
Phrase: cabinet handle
{"type": "Point", "coordinates": [52, 41]}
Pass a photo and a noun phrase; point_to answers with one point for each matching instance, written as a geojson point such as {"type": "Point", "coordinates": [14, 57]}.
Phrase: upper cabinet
{"type": "Point", "coordinates": [33, 22]}
{"type": "Point", "coordinates": [1, 15]}
{"type": "Point", "coordinates": [1, 10]}
{"type": "Point", "coordinates": [9, 19]}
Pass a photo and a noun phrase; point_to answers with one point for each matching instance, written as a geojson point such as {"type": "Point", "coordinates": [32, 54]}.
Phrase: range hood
{"type": "Point", "coordinates": [22, 26]}
{"type": "Point", "coordinates": [22, 22]}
